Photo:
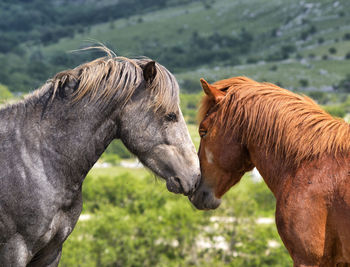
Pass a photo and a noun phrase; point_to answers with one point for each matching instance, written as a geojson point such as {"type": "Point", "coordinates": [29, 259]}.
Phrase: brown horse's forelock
{"type": "Point", "coordinates": [102, 78]}
{"type": "Point", "coordinates": [291, 126]}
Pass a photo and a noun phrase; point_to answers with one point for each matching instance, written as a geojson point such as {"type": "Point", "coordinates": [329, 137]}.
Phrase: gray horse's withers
{"type": "Point", "coordinates": [49, 142]}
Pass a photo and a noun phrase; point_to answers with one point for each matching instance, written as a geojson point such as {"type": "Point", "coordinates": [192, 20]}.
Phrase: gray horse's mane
{"type": "Point", "coordinates": [103, 78]}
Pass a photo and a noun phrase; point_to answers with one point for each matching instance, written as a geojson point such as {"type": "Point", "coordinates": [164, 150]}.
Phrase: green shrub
{"type": "Point", "coordinates": [347, 56]}
{"type": "Point", "coordinates": [344, 85]}
{"type": "Point", "coordinates": [5, 94]}
{"type": "Point", "coordinates": [320, 97]}
{"type": "Point", "coordinates": [133, 222]}
{"type": "Point", "coordinates": [336, 111]}
{"type": "Point", "coordinates": [303, 82]}
{"type": "Point", "coordinates": [190, 86]}
{"type": "Point", "coordinates": [117, 147]}
{"type": "Point", "coordinates": [332, 50]}
{"type": "Point", "coordinates": [113, 159]}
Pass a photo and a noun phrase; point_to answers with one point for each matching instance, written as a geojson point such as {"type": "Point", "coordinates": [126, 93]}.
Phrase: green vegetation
{"type": "Point", "coordinates": [45, 22]}
{"type": "Point", "coordinates": [5, 94]}
{"type": "Point", "coordinates": [189, 105]}
{"type": "Point", "coordinates": [216, 39]}
{"type": "Point", "coordinates": [130, 220]}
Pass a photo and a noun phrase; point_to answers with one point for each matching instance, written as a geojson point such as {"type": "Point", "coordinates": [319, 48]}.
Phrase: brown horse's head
{"type": "Point", "coordinates": [223, 158]}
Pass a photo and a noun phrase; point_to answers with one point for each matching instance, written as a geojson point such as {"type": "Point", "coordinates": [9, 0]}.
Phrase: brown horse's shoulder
{"type": "Point", "coordinates": [327, 169]}
{"type": "Point", "coordinates": [316, 182]}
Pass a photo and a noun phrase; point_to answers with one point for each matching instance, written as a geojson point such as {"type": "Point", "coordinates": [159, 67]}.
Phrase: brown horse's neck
{"type": "Point", "coordinates": [278, 175]}
{"type": "Point", "coordinates": [271, 168]}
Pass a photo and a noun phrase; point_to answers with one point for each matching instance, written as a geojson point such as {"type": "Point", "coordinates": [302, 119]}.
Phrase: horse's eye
{"type": "Point", "coordinates": [171, 116]}
{"type": "Point", "coordinates": [202, 133]}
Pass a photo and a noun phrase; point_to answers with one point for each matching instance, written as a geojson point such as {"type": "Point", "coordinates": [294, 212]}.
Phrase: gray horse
{"type": "Point", "coordinates": [50, 140]}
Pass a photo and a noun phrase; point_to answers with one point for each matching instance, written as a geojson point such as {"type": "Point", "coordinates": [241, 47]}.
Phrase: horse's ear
{"type": "Point", "coordinates": [149, 71]}
{"type": "Point", "coordinates": [211, 91]}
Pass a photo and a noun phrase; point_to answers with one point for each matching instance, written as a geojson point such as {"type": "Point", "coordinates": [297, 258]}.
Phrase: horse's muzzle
{"type": "Point", "coordinates": [204, 199]}
{"type": "Point", "coordinates": [183, 186]}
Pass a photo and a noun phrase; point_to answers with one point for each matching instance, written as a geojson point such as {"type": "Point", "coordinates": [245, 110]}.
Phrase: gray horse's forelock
{"type": "Point", "coordinates": [104, 78]}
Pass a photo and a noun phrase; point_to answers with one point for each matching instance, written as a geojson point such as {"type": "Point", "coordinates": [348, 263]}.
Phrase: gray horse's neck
{"type": "Point", "coordinates": [58, 133]}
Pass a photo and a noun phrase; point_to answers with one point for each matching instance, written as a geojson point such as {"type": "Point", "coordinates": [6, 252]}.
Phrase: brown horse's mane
{"type": "Point", "coordinates": [104, 78]}
{"type": "Point", "coordinates": [289, 125]}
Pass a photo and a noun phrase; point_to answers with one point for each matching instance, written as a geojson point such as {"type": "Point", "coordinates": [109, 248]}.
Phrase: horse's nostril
{"type": "Point", "coordinates": [191, 191]}
{"type": "Point", "coordinates": [178, 182]}
{"type": "Point", "coordinates": [197, 183]}
{"type": "Point", "coordinates": [174, 185]}
{"type": "Point", "coordinates": [204, 195]}
{"type": "Point", "coordinates": [178, 186]}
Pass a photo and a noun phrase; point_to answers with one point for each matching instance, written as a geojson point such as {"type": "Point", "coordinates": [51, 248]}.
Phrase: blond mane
{"type": "Point", "coordinates": [289, 125]}
{"type": "Point", "coordinates": [106, 77]}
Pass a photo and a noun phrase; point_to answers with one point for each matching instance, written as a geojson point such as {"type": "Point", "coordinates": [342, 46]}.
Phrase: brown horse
{"type": "Point", "coordinates": [301, 151]}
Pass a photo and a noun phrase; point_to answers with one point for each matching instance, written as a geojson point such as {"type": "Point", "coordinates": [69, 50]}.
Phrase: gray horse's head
{"type": "Point", "coordinates": [140, 98]}
{"type": "Point", "coordinates": [152, 127]}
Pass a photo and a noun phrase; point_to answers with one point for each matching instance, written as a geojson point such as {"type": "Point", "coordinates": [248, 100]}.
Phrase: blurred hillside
{"type": "Point", "coordinates": [303, 45]}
